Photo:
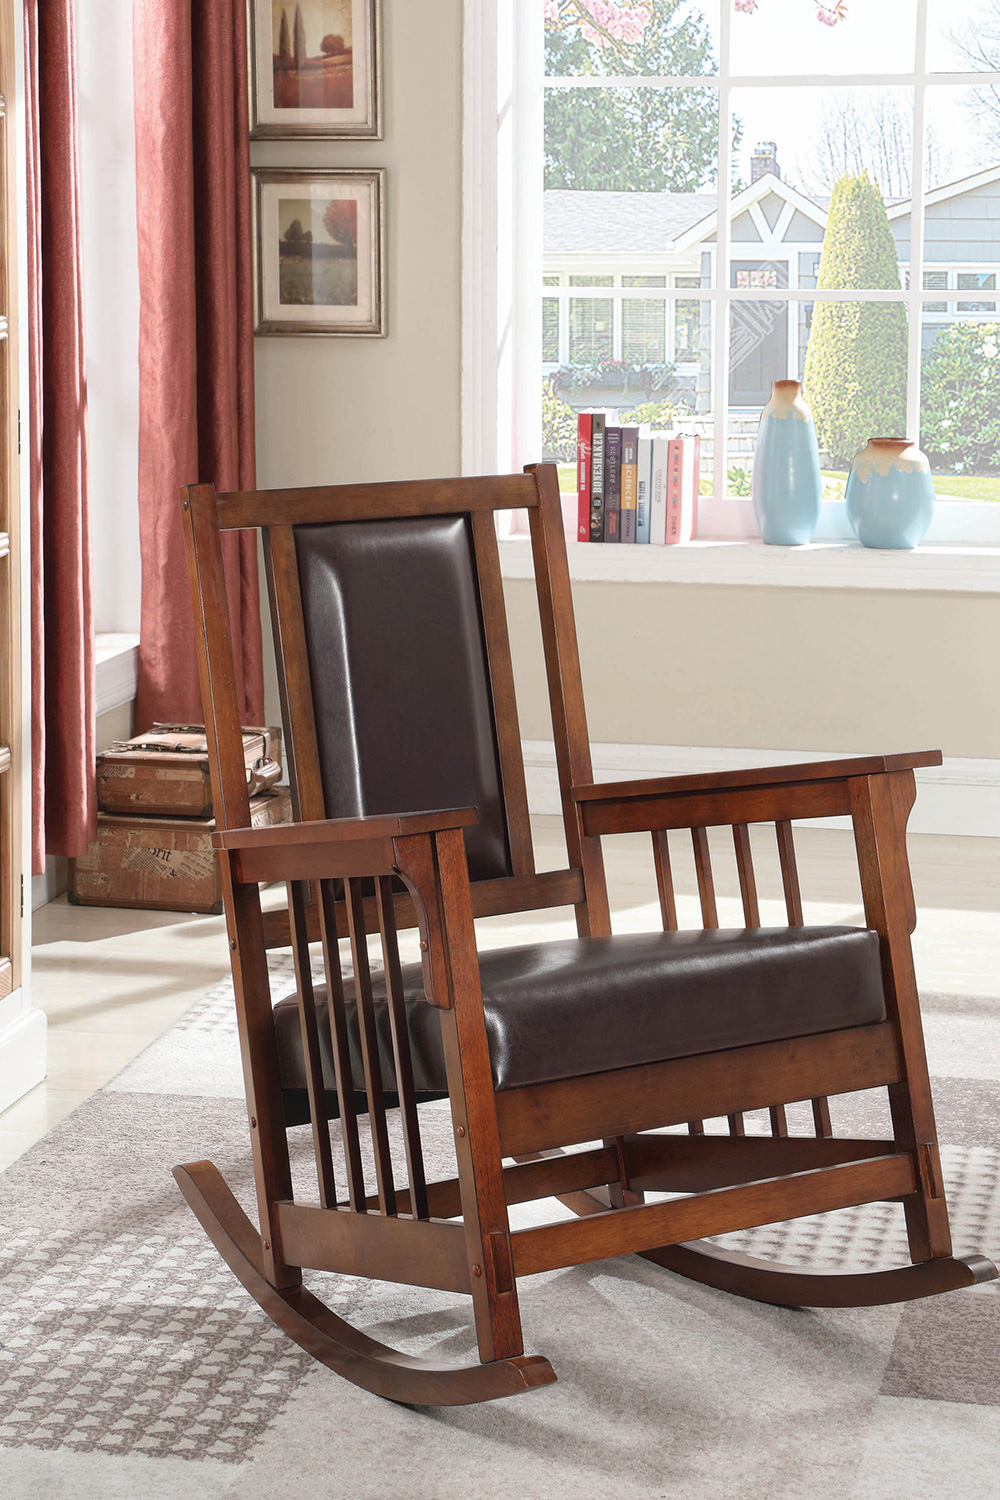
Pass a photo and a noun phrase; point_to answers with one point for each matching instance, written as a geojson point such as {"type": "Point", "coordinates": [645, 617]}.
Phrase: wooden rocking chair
{"type": "Point", "coordinates": [398, 700]}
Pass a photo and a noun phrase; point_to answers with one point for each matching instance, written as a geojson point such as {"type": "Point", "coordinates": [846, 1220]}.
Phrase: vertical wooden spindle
{"type": "Point", "coordinates": [340, 1047]}
{"type": "Point", "coordinates": [821, 1117]}
{"type": "Point", "coordinates": [737, 1125]}
{"type": "Point", "coordinates": [703, 868]}
{"type": "Point", "coordinates": [744, 866]}
{"type": "Point", "coordinates": [779, 1121]}
{"type": "Point", "coordinates": [311, 1055]}
{"type": "Point", "coordinates": [664, 881]}
{"type": "Point", "coordinates": [401, 1049]}
{"type": "Point", "coordinates": [364, 1000]}
{"type": "Point", "coordinates": [789, 873]}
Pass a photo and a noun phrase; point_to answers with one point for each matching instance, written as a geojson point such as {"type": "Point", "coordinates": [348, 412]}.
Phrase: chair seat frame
{"type": "Point", "coordinates": [455, 1235]}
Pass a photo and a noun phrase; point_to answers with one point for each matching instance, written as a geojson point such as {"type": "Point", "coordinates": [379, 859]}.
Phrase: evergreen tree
{"type": "Point", "coordinates": [855, 373]}
{"type": "Point", "coordinates": [633, 140]}
{"type": "Point", "coordinates": [284, 43]}
{"type": "Point", "coordinates": [300, 38]}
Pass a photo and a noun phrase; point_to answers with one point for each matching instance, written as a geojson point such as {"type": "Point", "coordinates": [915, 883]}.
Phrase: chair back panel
{"type": "Point", "coordinates": [402, 700]}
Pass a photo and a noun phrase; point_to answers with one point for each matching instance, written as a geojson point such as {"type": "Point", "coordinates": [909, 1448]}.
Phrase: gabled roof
{"type": "Point", "coordinates": [629, 223]}
{"type": "Point", "coordinates": [743, 200]}
{"type": "Point", "coordinates": [948, 190]}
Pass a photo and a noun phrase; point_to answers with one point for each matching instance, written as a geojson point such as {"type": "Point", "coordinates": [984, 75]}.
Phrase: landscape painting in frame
{"type": "Point", "coordinates": [319, 251]}
{"type": "Point", "coordinates": [315, 68]}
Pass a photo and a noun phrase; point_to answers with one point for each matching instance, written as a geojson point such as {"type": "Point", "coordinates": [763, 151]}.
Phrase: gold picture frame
{"type": "Point", "coordinates": [315, 69]}
{"type": "Point", "coordinates": [319, 260]}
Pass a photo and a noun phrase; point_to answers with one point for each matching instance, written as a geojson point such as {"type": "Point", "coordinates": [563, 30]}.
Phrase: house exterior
{"type": "Point", "coordinates": [617, 265]}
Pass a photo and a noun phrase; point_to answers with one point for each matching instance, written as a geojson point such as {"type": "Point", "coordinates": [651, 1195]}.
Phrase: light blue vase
{"type": "Point", "coordinates": [890, 494]}
{"type": "Point", "coordinates": [787, 485]}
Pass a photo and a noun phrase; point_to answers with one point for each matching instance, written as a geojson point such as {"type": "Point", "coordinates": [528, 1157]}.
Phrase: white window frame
{"type": "Point", "coordinates": [502, 255]}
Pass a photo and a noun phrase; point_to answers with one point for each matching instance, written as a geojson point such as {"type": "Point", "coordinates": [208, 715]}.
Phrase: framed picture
{"type": "Point", "coordinates": [320, 253]}
{"type": "Point", "coordinates": [315, 68]}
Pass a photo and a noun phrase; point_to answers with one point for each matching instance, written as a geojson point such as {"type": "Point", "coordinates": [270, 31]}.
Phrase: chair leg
{"type": "Point", "coordinates": [363, 1360]}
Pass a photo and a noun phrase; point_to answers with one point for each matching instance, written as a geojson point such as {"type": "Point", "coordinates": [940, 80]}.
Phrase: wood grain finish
{"type": "Point", "coordinates": [625, 1100]}
{"type": "Point", "coordinates": [345, 877]}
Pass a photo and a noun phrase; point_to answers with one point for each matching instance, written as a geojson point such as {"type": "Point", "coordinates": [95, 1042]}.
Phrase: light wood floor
{"type": "Point", "coordinates": [112, 980]}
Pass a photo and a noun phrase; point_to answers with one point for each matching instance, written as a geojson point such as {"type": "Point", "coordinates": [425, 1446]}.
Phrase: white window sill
{"type": "Point", "coordinates": [831, 565]}
{"type": "Point", "coordinates": [117, 669]}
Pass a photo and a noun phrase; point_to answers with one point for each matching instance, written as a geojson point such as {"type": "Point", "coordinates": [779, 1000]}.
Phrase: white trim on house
{"type": "Point", "coordinates": [946, 191]}
{"type": "Point", "coordinates": [960, 797]}
{"type": "Point", "coordinates": [745, 199]}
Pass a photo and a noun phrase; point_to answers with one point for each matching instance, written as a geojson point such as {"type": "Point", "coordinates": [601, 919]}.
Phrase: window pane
{"type": "Point", "coordinates": [977, 281]}
{"type": "Point", "coordinates": [590, 333]}
{"type": "Point", "coordinates": [680, 40]}
{"type": "Point", "coordinates": [854, 370]}
{"type": "Point", "coordinates": [844, 234]}
{"type": "Point", "coordinates": [634, 140]}
{"type": "Point", "coordinates": [960, 407]}
{"type": "Point", "coordinates": [644, 331]}
{"type": "Point", "coordinates": [644, 281]}
{"type": "Point", "coordinates": [963, 36]}
{"type": "Point", "coordinates": [787, 36]}
{"type": "Point", "coordinates": [688, 320]}
{"type": "Point", "coordinates": [550, 330]}
{"type": "Point", "coordinates": [591, 281]}
{"type": "Point", "coordinates": [963, 128]}
{"type": "Point", "coordinates": [550, 280]}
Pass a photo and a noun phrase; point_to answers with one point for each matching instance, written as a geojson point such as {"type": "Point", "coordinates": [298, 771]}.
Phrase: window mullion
{"type": "Point", "coordinates": [720, 363]}
{"type": "Point", "coordinates": [917, 196]}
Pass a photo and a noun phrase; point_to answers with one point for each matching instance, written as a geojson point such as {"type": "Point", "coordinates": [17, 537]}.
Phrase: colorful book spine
{"type": "Point", "coordinates": [597, 424]}
{"type": "Point", "coordinates": [658, 489]}
{"type": "Point", "coordinates": [682, 488]}
{"type": "Point", "coordinates": [630, 474]}
{"type": "Point", "coordinates": [644, 474]}
{"type": "Point", "coordinates": [583, 454]}
{"type": "Point", "coordinates": [612, 483]}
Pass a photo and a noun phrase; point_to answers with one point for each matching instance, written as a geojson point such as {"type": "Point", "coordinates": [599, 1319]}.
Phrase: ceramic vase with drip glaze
{"type": "Point", "coordinates": [787, 487]}
{"type": "Point", "coordinates": [890, 494]}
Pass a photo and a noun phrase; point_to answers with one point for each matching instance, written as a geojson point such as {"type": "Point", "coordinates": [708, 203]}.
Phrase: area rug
{"type": "Point", "coordinates": [133, 1366]}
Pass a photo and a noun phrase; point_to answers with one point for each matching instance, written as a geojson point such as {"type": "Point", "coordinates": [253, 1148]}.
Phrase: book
{"type": "Point", "coordinates": [612, 483]}
{"type": "Point", "coordinates": [644, 474]}
{"type": "Point", "coordinates": [658, 488]}
{"type": "Point", "coordinates": [684, 468]}
{"type": "Point", "coordinates": [630, 463]}
{"type": "Point", "coordinates": [583, 456]}
{"type": "Point", "coordinates": [597, 424]}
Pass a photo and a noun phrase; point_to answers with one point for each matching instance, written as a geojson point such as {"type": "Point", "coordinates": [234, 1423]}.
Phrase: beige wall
{"type": "Point", "coordinates": [344, 409]}
{"type": "Point", "coordinates": [797, 669]}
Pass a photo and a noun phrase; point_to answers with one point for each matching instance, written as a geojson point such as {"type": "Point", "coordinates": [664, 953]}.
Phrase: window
{"type": "Point", "coordinates": [730, 236]}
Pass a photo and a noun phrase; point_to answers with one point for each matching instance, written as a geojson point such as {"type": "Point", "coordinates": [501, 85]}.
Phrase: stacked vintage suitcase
{"type": "Point", "coordinates": [154, 827]}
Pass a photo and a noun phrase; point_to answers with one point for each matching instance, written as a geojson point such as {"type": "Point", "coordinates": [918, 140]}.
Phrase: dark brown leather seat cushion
{"type": "Point", "coordinates": [585, 1005]}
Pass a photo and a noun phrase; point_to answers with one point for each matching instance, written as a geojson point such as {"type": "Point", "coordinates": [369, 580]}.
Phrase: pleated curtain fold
{"type": "Point", "coordinates": [62, 615]}
{"type": "Point", "coordinates": [196, 386]}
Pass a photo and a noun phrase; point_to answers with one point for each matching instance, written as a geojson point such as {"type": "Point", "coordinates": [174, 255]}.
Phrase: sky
{"type": "Point", "coordinates": [879, 36]}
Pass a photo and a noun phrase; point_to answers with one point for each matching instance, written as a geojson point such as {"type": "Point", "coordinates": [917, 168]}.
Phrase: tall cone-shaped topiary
{"type": "Point", "coordinates": [855, 373]}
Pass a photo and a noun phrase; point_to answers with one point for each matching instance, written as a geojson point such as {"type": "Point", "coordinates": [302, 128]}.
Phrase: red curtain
{"type": "Point", "coordinates": [196, 391]}
{"type": "Point", "coordinates": [64, 807]}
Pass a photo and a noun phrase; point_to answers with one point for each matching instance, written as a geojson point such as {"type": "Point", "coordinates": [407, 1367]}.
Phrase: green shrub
{"type": "Point", "coordinates": [558, 427]}
{"type": "Point", "coordinates": [855, 371]}
{"type": "Point", "coordinates": [659, 414]}
{"type": "Point", "coordinates": [960, 404]}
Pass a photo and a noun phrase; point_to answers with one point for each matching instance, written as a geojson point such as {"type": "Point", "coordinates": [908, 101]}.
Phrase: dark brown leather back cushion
{"type": "Point", "coordinates": [404, 713]}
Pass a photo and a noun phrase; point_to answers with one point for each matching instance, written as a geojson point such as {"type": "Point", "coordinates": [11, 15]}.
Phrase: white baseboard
{"type": "Point", "coordinates": [960, 797]}
{"type": "Point", "coordinates": [22, 1055]}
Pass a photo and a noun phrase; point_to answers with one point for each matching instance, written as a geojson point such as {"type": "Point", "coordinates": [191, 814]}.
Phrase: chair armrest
{"type": "Point", "coordinates": [764, 776]}
{"type": "Point", "coordinates": [330, 848]}
{"type": "Point", "coordinates": [768, 794]}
